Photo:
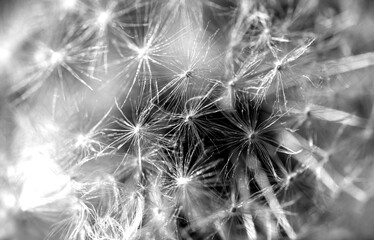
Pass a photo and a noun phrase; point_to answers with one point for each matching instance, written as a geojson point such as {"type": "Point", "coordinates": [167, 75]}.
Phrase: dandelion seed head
{"type": "Point", "coordinates": [192, 152]}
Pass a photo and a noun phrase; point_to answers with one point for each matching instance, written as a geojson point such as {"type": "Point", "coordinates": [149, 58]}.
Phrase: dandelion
{"type": "Point", "coordinates": [178, 119]}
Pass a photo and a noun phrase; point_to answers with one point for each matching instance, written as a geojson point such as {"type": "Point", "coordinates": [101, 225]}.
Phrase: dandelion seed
{"type": "Point", "coordinates": [105, 12]}
{"type": "Point", "coordinates": [252, 132]}
{"type": "Point", "coordinates": [240, 205]}
{"type": "Point", "coordinates": [88, 145]}
{"type": "Point", "coordinates": [240, 81]}
{"type": "Point", "coordinates": [131, 132]}
{"type": "Point", "coordinates": [193, 70]}
{"type": "Point", "coordinates": [82, 139]}
{"type": "Point", "coordinates": [137, 135]}
{"type": "Point", "coordinates": [277, 73]}
{"type": "Point", "coordinates": [187, 181]}
{"type": "Point", "coordinates": [59, 68]}
{"type": "Point", "coordinates": [140, 53]}
{"type": "Point", "coordinates": [190, 122]}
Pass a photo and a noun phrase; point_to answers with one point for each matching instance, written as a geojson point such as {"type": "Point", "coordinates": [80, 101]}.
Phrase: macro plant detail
{"type": "Point", "coordinates": [186, 119]}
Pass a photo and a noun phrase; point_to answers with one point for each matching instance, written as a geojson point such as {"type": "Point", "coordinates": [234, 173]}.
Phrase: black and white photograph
{"type": "Point", "coordinates": [186, 120]}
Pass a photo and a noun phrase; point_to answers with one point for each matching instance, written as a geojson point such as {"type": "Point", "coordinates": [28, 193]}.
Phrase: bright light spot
{"type": "Point", "coordinates": [143, 53]}
{"type": "Point", "coordinates": [245, 7]}
{"type": "Point", "coordinates": [40, 56]}
{"type": "Point", "coordinates": [137, 129]}
{"type": "Point", "coordinates": [157, 213]}
{"type": "Point", "coordinates": [103, 18]}
{"type": "Point", "coordinates": [81, 140]}
{"type": "Point", "coordinates": [232, 82]}
{"type": "Point", "coordinates": [43, 182]}
{"type": "Point", "coordinates": [5, 54]}
{"type": "Point", "coordinates": [183, 181]}
{"type": "Point", "coordinates": [8, 200]}
{"type": "Point", "coordinates": [68, 4]}
{"type": "Point", "coordinates": [57, 57]}
{"type": "Point", "coordinates": [47, 59]}
{"type": "Point", "coordinates": [111, 179]}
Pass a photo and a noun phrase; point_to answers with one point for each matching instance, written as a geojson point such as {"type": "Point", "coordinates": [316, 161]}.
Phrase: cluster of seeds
{"type": "Point", "coordinates": [180, 119]}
